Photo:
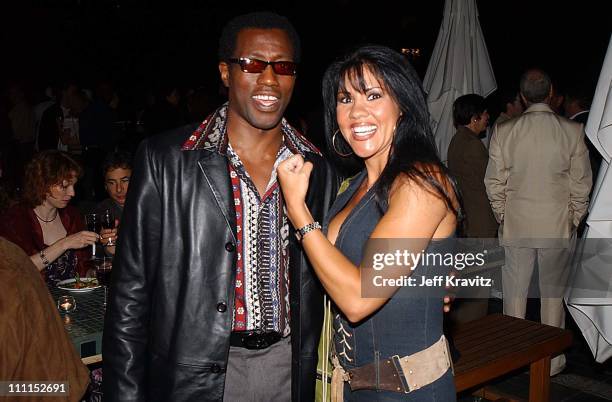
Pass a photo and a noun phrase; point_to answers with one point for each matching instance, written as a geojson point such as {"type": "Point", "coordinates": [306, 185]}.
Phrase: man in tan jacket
{"type": "Point", "coordinates": [538, 180]}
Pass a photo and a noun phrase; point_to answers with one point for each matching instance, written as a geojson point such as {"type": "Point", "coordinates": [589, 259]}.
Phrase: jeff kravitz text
{"type": "Point", "coordinates": [436, 281]}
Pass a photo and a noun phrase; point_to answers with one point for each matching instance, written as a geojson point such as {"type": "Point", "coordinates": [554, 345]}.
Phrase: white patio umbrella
{"type": "Point", "coordinates": [592, 309]}
{"type": "Point", "coordinates": [458, 66]}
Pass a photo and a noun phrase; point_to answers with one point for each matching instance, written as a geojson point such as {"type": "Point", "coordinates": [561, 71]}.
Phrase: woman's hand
{"type": "Point", "coordinates": [293, 175]}
{"type": "Point", "coordinates": [79, 240]}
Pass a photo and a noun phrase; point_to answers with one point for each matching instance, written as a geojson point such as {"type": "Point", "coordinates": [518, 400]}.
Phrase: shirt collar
{"type": "Point", "coordinates": [211, 135]}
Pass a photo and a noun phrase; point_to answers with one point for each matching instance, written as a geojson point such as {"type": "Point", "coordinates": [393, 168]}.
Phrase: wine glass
{"type": "Point", "coordinates": [94, 224]}
{"type": "Point", "coordinates": [104, 267]}
{"type": "Point", "coordinates": [108, 222]}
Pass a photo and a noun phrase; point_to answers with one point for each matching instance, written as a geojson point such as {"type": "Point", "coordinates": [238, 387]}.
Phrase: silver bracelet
{"type": "Point", "coordinates": [301, 232]}
{"type": "Point", "coordinates": [43, 258]}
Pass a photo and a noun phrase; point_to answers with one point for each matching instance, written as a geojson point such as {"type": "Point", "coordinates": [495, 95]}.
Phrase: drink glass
{"type": "Point", "coordinates": [108, 222]}
{"type": "Point", "coordinates": [94, 224]}
{"type": "Point", "coordinates": [104, 267]}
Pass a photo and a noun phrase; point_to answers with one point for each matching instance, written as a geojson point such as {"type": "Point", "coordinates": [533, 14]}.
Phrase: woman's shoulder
{"type": "Point", "coordinates": [18, 212]}
{"type": "Point", "coordinates": [428, 182]}
{"type": "Point", "coordinates": [18, 225]}
{"type": "Point", "coordinates": [424, 175]}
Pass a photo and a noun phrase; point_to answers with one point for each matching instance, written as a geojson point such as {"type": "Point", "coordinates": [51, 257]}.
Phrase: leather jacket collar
{"type": "Point", "coordinates": [211, 135]}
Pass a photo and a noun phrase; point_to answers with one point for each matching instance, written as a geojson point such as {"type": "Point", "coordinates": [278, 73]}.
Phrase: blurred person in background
{"type": "Point", "coordinates": [467, 161]}
{"type": "Point", "coordinates": [97, 137]}
{"type": "Point", "coordinates": [511, 106]}
{"type": "Point", "coordinates": [21, 116]}
{"type": "Point", "coordinates": [117, 169]}
{"type": "Point", "coordinates": [538, 181]}
{"type": "Point", "coordinates": [49, 230]}
{"type": "Point", "coordinates": [166, 112]}
{"type": "Point", "coordinates": [59, 122]}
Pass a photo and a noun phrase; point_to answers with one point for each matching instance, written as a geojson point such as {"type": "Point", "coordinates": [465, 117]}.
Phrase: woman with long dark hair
{"type": "Point", "coordinates": [388, 340]}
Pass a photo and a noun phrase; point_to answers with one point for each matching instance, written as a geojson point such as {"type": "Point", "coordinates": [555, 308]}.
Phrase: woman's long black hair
{"type": "Point", "coordinates": [413, 150]}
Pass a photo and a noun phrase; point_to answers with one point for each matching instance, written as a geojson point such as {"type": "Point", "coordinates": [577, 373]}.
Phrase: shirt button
{"type": "Point", "coordinates": [229, 246]}
{"type": "Point", "coordinates": [215, 368]}
{"type": "Point", "coordinates": [221, 307]}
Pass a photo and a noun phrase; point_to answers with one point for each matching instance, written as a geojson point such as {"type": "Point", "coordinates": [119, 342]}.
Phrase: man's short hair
{"type": "Point", "coordinates": [117, 160]}
{"type": "Point", "coordinates": [261, 20]}
{"type": "Point", "coordinates": [535, 85]}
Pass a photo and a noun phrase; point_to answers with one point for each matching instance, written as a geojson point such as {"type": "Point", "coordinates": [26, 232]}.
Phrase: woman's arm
{"type": "Point", "coordinates": [413, 213]}
{"type": "Point", "coordinates": [75, 241]}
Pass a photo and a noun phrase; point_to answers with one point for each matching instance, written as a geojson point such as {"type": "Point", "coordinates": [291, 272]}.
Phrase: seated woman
{"type": "Point", "coordinates": [376, 114]}
{"type": "Point", "coordinates": [48, 229]}
{"type": "Point", "coordinates": [117, 170]}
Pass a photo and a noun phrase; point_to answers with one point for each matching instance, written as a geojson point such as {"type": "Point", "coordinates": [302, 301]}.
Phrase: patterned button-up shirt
{"type": "Point", "coordinates": [262, 268]}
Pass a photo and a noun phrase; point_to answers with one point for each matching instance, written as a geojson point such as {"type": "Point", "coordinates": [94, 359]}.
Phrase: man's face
{"type": "Point", "coordinates": [117, 181]}
{"type": "Point", "coordinates": [515, 108]}
{"type": "Point", "coordinates": [259, 99]}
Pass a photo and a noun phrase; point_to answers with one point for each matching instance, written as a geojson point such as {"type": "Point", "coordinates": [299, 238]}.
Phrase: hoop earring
{"type": "Point", "coordinates": [336, 149]}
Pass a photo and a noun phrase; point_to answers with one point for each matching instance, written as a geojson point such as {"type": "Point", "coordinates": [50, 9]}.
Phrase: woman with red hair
{"type": "Point", "coordinates": [49, 230]}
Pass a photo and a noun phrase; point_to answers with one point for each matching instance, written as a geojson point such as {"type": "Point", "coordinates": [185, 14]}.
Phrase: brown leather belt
{"type": "Point", "coordinates": [400, 374]}
{"type": "Point", "coordinates": [253, 339]}
{"type": "Point", "coordinates": [404, 374]}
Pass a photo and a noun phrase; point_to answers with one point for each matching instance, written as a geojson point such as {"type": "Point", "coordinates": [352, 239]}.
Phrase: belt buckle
{"type": "Point", "coordinates": [400, 373]}
{"type": "Point", "coordinates": [256, 340]}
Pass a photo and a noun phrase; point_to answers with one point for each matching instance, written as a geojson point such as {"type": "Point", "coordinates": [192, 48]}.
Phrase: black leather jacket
{"type": "Point", "coordinates": [166, 336]}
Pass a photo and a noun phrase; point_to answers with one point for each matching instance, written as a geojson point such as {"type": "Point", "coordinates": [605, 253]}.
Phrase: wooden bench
{"type": "Point", "coordinates": [497, 344]}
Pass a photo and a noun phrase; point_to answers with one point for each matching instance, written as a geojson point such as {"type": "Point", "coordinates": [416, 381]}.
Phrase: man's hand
{"type": "Point", "coordinates": [107, 235]}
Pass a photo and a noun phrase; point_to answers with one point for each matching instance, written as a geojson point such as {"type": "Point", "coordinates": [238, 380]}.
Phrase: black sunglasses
{"type": "Point", "coordinates": [258, 66]}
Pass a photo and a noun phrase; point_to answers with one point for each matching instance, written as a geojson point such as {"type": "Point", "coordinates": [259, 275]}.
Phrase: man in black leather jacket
{"type": "Point", "coordinates": [171, 317]}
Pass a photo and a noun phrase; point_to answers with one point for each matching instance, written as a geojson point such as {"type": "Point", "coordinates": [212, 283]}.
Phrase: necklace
{"type": "Point", "coordinates": [44, 220]}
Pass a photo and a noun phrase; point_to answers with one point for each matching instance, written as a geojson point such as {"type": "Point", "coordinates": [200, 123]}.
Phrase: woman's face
{"type": "Point", "coordinates": [60, 194]}
{"type": "Point", "coordinates": [481, 122]}
{"type": "Point", "coordinates": [367, 120]}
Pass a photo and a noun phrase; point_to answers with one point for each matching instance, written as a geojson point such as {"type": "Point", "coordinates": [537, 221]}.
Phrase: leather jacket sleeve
{"type": "Point", "coordinates": [126, 327]}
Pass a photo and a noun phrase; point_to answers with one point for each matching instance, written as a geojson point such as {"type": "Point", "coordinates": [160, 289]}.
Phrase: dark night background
{"type": "Point", "coordinates": [138, 43]}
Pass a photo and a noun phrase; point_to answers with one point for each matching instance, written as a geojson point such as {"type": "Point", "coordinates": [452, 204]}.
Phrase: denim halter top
{"type": "Point", "coordinates": [405, 324]}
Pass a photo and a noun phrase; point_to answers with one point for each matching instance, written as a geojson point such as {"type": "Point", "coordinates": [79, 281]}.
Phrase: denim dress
{"type": "Point", "coordinates": [406, 324]}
